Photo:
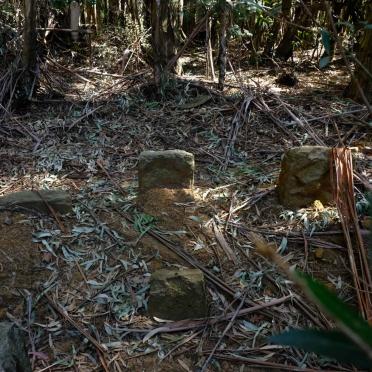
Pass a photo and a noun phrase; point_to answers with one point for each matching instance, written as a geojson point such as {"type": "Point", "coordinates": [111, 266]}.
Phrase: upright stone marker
{"type": "Point", "coordinates": [13, 353]}
{"type": "Point", "coordinates": [59, 200]}
{"type": "Point", "coordinates": [305, 176]}
{"type": "Point", "coordinates": [172, 169]}
{"type": "Point", "coordinates": [177, 294]}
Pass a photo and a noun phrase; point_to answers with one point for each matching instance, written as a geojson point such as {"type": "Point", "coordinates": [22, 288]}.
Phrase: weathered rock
{"type": "Point", "coordinates": [305, 176]}
{"type": "Point", "coordinates": [13, 353]}
{"type": "Point", "coordinates": [177, 294]}
{"type": "Point", "coordinates": [166, 169]}
{"type": "Point", "coordinates": [59, 200]}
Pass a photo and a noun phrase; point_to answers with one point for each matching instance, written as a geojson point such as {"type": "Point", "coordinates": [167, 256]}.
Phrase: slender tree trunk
{"type": "Point", "coordinates": [105, 11]}
{"type": "Point", "coordinates": [163, 40]}
{"type": "Point", "coordinates": [222, 54]}
{"type": "Point", "coordinates": [208, 43]}
{"type": "Point", "coordinates": [134, 11]}
{"type": "Point", "coordinates": [189, 16]}
{"type": "Point", "coordinates": [91, 18]}
{"type": "Point", "coordinates": [336, 11]}
{"type": "Point", "coordinates": [83, 19]}
{"type": "Point", "coordinates": [146, 11]}
{"type": "Point", "coordinates": [113, 12]}
{"type": "Point", "coordinates": [363, 71]}
{"type": "Point", "coordinates": [284, 50]}
{"type": "Point", "coordinates": [272, 38]}
{"type": "Point", "coordinates": [29, 53]}
{"type": "Point", "coordinates": [99, 15]}
{"type": "Point", "coordinates": [275, 28]}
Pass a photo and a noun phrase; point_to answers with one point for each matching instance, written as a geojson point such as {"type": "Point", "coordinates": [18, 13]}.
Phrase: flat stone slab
{"type": "Point", "coordinates": [59, 200]}
{"type": "Point", "coordinates": [13, 353]}
{"type": "Point", "coordinates": [305, 176]}
{"type": "Point", "coordinates": [166, 169]}
{"type": "Point", "coordinates": [177, 294]}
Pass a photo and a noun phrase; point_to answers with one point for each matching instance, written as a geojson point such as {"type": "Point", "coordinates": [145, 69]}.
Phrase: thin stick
{"type": "Point", "coordinates": [64, 315]}
{"type": "Point", "coordinates": [229, 325]}
{"type": "Point", "coordinates": [184, 325]}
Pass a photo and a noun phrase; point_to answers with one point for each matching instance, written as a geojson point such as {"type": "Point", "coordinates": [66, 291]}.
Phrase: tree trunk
{"type": "Point", "coordinates": [91, 18]}
{"type": "Point", "coordinates": [361, 84]}
{"type": "Point", "coordinates": [189, 16]}
{"type": "Point", "coordinates": [99, 15]}
{"type": "Point", "coordinates": [208, 43]}
{"type": "Point", "coordinates": [29, 53]}
{"type": "Point", "coordinates": [82, 11]}
{"type": "Point", "coordinates": [146, 11]}
{"type": "Point", "coordinates": [163, 40]}
{"type": "Point", "coordinates": [104, 8]}
{"type": "Point", "coordinates": [275, 29]}
{"type": "Point", "coordinates": [336, 11]}
{"type": "Point", "coordinates": [272, 38]}
{"type": "Point", "coordinates": [222, 53]}
{"type": "Point", "coordinates": [284, 51]}
{"type": "Point", "coordinates": [134, 11]}
{"type": "Point", "coordinates": [113, 11]}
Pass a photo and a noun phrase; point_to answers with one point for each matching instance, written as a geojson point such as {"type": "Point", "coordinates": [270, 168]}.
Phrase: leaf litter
{"type": "Point", "coordinates": [88, 307]}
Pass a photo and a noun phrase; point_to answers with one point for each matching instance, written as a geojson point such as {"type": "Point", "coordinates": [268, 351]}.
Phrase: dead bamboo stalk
{"type": "Point", "coordinates": [342, 179]}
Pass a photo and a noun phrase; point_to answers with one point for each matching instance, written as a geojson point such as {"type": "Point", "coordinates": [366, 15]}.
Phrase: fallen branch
{"type": "Point", "coordinates": [67, 317]}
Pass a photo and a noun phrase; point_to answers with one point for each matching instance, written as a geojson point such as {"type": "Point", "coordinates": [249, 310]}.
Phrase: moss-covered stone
{"type": "Point", "coordinates": [166, 169]}
{"type": "Point", "coordinates": [305, 176]}
{"type": "Point", "coordinates": [59, 200]}
{"type": "Point", "coordinates": [13, 353]}
{"type": "Point", "coordinates": [177, 294]}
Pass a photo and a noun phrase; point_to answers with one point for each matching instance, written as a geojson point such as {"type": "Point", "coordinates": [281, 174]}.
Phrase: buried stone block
{"type": "Point", "coordinates": [305, 176]}
{"type": "Point", "coordinates": [59, 200]}
{"type": "Point", "coordinates": [13, 353]}
{"type": "Point", "coordinates": [171, 169]}
{"type": "Point", "coordinates": [177, 294]}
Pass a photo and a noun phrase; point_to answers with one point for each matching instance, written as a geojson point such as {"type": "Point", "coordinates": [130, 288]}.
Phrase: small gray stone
{"type": "Point", "coordinates": [59, 200]}
{"type": "Point", "coordinates": [177, 294]}
{"type": "Point", "coordinates": [305, 176]}
{"type": "Point", "coordinates": [13, 353]}
{"type": "Point", "coordinates": [166, 169]}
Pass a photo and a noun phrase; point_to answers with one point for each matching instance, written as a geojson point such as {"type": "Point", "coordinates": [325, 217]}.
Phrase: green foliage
{"type": "Point", "coordinates": [326, 41]}
{"type": "Point", "coordinates": [348, 320]}
{"type": "Point", "coordinates": [143, 222]}
{"type": "Point", "coordinates": [353, 345]}
{"type": "Point", "coordinates": [332, 344]}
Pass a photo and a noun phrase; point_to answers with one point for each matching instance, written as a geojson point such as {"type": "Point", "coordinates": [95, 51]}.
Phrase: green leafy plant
{"type": "Point", "coordinates": [144, 222]}
{"type": "Point", "coordinates": [350, 342]}
{"type": "Point", "coordinates": [326, 41]}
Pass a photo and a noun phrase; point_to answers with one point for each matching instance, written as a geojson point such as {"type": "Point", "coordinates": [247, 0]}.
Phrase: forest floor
{"type": "Point", "coordinates": [94, 264]}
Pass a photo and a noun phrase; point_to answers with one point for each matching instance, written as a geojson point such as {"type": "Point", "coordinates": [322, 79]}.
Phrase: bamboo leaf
{"type": "Point", "coordinates": [332, 344]}
{"type": "Point", "coordinates": [324, 61]}
{"type": "Point", "coordinates": [326, 40]}
{"type": "Point", "coordinates": [348, 320]}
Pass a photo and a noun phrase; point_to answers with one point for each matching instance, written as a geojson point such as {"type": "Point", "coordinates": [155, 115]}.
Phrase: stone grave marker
{"type": "Point", "coordinates": [59, 200]}
{"type": "Point", "coordinates": [171, 169]}
{"type": "Point", "coordinates": [13, 353]}
{"type": "Point", "coordinates": [177, 294]}
{"type": "Point", "coordinates": [305, 176]}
